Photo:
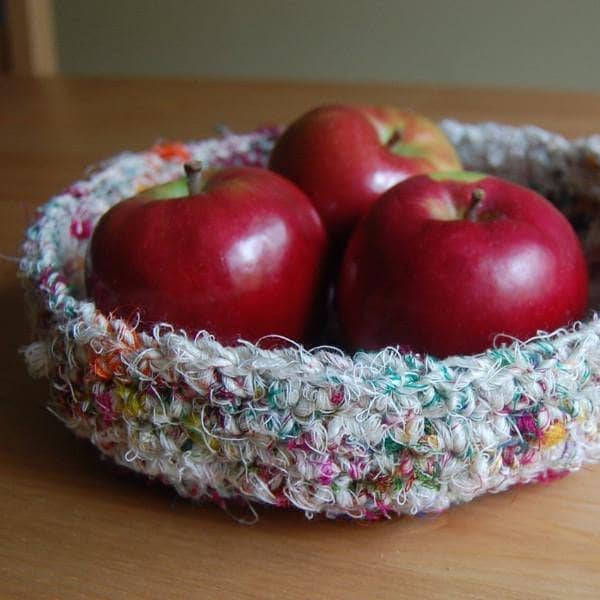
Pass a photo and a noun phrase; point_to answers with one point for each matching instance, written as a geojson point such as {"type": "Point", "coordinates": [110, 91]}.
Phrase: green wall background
{"type": "Point", "coordinates": [525, 43]}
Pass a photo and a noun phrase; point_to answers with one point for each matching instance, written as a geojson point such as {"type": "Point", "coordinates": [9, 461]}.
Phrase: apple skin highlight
{"type": "Point", "coordinates": [433, 270]}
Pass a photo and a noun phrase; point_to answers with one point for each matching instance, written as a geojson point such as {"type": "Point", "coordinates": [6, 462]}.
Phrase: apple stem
{"type": "Point", "coordinates": [394, 138]}
{"type": "Point", "coordinates": [477, 196]}
{"type": "Point", "coordinates": [193, 174]}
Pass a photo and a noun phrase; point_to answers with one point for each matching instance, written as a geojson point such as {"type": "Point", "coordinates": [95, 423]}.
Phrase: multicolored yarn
{"type": "Point", "coordinates": [365, 436]}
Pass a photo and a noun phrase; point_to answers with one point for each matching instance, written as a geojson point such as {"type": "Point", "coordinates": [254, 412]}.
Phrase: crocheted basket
{"type": "Point", "coordinates": [364, 436]}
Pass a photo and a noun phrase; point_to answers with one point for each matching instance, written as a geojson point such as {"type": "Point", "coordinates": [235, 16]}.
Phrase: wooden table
{"type": "Point", "coordinates": [74, 526]}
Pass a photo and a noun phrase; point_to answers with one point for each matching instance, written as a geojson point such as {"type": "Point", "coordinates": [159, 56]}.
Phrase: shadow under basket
{"type": "Point", "coordinates": [366, 436]}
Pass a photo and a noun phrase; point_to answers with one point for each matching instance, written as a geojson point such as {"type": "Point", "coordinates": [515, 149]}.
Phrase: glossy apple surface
{"type": "Point", "coordinates": [240, 259]}
{"type": "Point", "coordinates": [444, 262]}
{"type": "Point", "coordinates": [344, 157]}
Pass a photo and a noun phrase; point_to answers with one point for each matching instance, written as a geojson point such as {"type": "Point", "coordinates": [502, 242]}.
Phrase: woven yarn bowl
{"type": "Point", "coordinates": [366, 436]}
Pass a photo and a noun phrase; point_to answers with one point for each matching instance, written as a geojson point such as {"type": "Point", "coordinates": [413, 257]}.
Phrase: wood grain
{"type": "Point", "coordinates": [75, 526]}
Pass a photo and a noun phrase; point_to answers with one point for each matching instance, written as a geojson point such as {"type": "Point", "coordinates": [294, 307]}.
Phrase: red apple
{"type": "Point", "coordinates": [443, 262]}
{"type": "Point", "coordinates": [344, 157]}
{"type": "Point", "coordinates": [240, 257]}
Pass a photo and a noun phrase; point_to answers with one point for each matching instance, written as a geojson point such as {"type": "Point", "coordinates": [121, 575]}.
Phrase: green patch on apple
{"type": "Point", "coordinates": [410, 150]}
{"type": "Point", "coordinates": [442, 209]}
{"type": "Point", "coordinates": [462, 176]}
{"type": "Point", "coordinates": [177, 188]}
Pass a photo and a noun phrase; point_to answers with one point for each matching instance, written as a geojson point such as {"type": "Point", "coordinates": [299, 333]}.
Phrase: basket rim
{"type": "Point", "coordinates": [64, 306]}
